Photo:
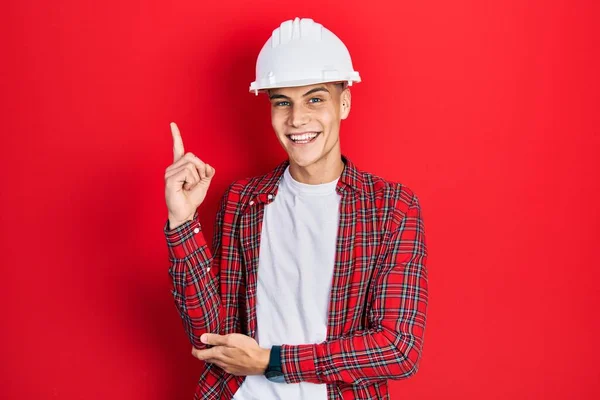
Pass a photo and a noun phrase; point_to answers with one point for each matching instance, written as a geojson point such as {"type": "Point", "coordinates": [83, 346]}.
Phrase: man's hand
{"type": "Point", "coordinates": [235, 353]}
{"type": "Point", "coordinates": [186, 182]}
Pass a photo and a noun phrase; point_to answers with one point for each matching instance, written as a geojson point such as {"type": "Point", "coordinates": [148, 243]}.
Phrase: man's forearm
{"type": "Point", "coordinates": [195, 288]}
{"type": "Point", "coordinates": [364, 356]}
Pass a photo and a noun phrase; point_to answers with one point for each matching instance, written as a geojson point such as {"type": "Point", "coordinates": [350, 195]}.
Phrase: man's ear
{"type": "Point", "coordinates": [345, 103]}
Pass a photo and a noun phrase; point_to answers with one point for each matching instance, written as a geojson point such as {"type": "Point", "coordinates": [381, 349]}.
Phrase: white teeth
{"type": "Point", "coordinates": [305, 136]}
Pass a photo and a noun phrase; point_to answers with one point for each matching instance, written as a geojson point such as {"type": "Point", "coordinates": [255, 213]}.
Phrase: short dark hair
{"type": "Point", "coordinates": [340, 85]}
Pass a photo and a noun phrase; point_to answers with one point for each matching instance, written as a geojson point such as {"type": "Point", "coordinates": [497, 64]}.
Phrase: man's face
{"type": "Point", "coordinates": [300, 113]}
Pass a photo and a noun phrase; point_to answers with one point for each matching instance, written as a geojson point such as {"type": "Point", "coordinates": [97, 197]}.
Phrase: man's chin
{"type": "Point", "coordinates": [304, 159]}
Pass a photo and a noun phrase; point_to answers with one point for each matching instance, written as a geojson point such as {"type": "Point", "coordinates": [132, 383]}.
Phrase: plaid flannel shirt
{"type": "Point", "coordinates": [378, 298]}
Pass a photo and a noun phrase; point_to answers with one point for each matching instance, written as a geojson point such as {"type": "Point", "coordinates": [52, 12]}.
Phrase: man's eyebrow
{"type": "Point", "coordinates": [311, 91]}
{"type": "Point", "coordinates": [278, 96]}
{"type": "Point", "coordinates": [317, 89]}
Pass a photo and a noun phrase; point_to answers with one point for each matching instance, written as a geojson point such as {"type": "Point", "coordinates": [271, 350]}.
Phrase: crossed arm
{"type": "Point", "coordinates": [389, 349]}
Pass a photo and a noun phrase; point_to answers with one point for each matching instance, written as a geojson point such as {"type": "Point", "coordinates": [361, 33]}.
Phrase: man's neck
{"type": "Point", "coordinates": [325, 170]}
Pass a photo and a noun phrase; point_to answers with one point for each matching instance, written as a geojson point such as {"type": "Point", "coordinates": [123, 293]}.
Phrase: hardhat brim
{"type": "Point", "coordinates": [302, 82]}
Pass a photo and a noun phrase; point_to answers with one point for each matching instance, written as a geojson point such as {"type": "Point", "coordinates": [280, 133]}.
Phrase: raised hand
{"type": "Point", "coordinates": [186, 182]}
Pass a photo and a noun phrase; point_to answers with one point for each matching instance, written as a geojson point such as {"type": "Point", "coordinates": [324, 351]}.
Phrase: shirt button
{"type": "Point", "coordinates": [270, 196]}
{"type": "Point", "coordinates": [196, 230]}
{"type": "Point", "coordinates": [252, 203]}
{"type": "Point", "coordinates": [208, 269]}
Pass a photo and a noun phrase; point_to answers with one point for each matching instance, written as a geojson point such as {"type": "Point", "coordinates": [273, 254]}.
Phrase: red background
{"type": "Point", "coordinates": [488, 110]}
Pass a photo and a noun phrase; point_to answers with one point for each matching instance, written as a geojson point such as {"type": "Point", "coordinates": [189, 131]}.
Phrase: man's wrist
{"type": "Point", "coordinates": [173, 224]}
{"type": "Point", "coordinates": [263, 360]}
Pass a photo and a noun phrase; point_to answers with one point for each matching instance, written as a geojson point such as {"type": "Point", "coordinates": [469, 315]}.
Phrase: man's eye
{"type": "Point", "coordinates": [318, 100]}
{"type": "Point", "coordinates": [282, 103]}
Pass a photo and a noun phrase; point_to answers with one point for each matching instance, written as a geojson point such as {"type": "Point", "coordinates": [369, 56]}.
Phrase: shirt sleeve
{"type": "Point", "coordinates": [194, 271]}
{"type": "Point", "coordinates": [391, 347]}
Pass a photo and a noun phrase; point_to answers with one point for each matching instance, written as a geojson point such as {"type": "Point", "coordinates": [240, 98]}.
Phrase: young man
{"type": "Point", "coordinates": [316, 285]}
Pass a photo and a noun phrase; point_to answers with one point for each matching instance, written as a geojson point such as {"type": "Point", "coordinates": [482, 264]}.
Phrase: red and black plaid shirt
{"type": "Point", "coordinates": [378, 298]}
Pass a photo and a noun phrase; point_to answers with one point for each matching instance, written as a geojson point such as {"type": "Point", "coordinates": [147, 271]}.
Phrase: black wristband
{"type": "Point", "coordinates": [275, 359]}
{"type": "Point", "coordinates": [274, 372]}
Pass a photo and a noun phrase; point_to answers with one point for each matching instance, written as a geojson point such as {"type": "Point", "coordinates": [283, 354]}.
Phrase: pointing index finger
{"type": "Point", "coordinates": [178, 150]}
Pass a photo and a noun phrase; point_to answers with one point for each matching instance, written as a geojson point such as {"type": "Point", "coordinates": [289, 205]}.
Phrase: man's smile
{"type": "Point", "coordinates": [303, 137]}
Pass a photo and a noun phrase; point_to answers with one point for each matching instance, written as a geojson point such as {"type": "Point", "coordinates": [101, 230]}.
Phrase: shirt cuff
{"type": "Point", "coordinates": [298, 363]}
{"type": "Point", "coordinates": [185, 239]}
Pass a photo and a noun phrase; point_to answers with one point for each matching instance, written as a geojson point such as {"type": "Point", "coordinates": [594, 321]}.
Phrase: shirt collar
{"type": "Point", "coordinates": [350, 178]}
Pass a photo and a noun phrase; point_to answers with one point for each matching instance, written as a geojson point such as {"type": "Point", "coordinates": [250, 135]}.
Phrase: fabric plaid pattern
{"type": "Point", "coordinates": [379, 294]}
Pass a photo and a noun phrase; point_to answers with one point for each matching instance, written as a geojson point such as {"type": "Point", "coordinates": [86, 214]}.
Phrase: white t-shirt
{"type": "Point", "coordinates": [295, 271]}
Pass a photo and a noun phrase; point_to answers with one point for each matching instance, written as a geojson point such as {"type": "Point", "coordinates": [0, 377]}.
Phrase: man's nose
{"type": "Point", "coordinates": [299, 115]}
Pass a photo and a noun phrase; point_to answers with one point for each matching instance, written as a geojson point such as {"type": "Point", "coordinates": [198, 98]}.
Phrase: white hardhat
{"type": "Point", "coordinates": [302, 52]}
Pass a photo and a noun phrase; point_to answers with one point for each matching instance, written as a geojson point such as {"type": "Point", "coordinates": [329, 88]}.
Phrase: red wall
{"type": "Point", "coordinates": [488, 110]}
